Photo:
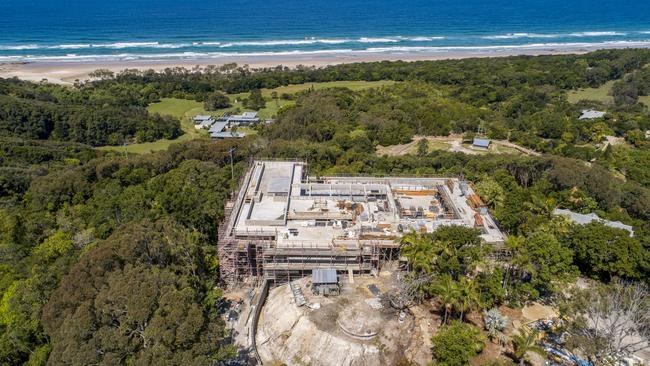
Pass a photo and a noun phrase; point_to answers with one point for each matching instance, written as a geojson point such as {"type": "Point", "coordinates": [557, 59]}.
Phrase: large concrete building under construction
{"type": "Point", "coordinates": [282, 224]}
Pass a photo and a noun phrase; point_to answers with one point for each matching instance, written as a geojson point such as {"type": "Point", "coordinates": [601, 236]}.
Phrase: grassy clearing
{"type": "Point", "coordinates": [246, 130]}
{"type": "Point", "coordinates": [147, 147]}
{"type": "Point", "coordinates": [470, 149]}
{"type": "Point", "coordinates": [411, 148]}
{"type": "Point", "coordinates": [353, 85]}
{"type": "Point", "coordinates": [504, 149]}
{"type": "Point", "coordinates": [438, 145]}
{"type": "Point", "coordinates": [600, 94]}
{"type": "Point", "coordinates": [174, 107]}
{"type": "Point", "coordinates": [433, 146]}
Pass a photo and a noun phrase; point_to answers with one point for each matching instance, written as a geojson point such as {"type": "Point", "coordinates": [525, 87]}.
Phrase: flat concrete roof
{"type": "Point", "coordinates": [297, 211]}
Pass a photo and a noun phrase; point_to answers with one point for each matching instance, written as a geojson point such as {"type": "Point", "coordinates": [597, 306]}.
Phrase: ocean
{"type": "Point", "coordinates": [120, 30]}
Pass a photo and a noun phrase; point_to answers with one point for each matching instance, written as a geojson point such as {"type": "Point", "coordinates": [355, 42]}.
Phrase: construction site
{"type": "Point", "coordinates": [282, 223]}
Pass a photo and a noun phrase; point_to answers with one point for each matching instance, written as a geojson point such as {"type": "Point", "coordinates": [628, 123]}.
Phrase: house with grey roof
{"type": "Point", "coordinates": [584, 219]}
{"type": "Point", "coordinates": [591, 114]}
{"type": "Point", "coordinates": [245, 119]}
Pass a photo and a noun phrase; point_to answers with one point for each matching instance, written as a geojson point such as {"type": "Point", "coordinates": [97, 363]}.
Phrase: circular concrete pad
{"type": "Point", "coordinates": [360, 320]}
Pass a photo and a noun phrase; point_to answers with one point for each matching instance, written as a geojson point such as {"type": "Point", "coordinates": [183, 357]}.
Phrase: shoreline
{"type": "Point", "coordinates": [62, 72]}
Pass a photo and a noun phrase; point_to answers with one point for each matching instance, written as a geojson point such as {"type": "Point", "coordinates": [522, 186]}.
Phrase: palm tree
{"type": "Point", "coordinates": [523, 343]}
{"type": "Point", "coordinates": [410, 239]}
{"type": "Point", "coordinates": [521, 262]}
{"type": "Point", "coordinates": [443, 249]}
{"type": "Point", "coordinates": [467, 296]}
{"type": "Point", "coordinates": [419, 250]}
{"type": "Point", "coordinates": [447, 293]}
{"type": "Point", "coordinates": [420, 259]}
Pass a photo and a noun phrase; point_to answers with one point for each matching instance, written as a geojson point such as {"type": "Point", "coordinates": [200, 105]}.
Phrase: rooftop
{"type": "Point", "coordinates": [584, 219]}
{"type": "Point", "coordinates": [218, 127]}
{"type": "Point", "coordinates": [201, 117]}
{"type": "Point", "coordinates": [226, 134]}
{"type": "Point", "coordinates": [591, 114]}
{"type": "Point", "coordinates": [236, 118]}
{"type": "Point", "coordinates": [280, 201]}
{"type": "Point", "coordinates": [481, 142]}
{"type": "Point", "coordinates": [326, 275]}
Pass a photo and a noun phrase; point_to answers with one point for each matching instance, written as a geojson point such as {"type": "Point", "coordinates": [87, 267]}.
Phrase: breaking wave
{"type": "Point", "coordinates": [558, 46]}
{"type": "Point", "coordinates": [556, 35]}
{"type": "Point", "coordinates": [222, 44]}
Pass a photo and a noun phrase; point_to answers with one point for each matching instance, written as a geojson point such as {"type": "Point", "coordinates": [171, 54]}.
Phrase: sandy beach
{"type": "Point", "coordinates": [69, 72]}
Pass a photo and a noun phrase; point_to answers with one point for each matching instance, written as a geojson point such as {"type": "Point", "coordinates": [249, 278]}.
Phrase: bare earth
{"type": "Point", "coordinates": [351, 329]}
{"type": "Point", "coordinates": [453, 143]}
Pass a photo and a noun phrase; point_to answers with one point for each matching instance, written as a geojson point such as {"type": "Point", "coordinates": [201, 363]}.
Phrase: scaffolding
{"type": "Point", "coordinates": [227, 245]}
{"type": "Point", "coordinates": [258, 259]}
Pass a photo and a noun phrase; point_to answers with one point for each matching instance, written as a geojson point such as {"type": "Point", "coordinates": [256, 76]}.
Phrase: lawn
{"type": "Point", "coordinates": [180, 108]}
{"type": "Point", "coordinates": [600, 94]}
{"type": "Point", "coordinates": [270, 111]}
{"type": "Point", "coordinates": [353, 85]}
{"type": "Point", "coordinates": [175, 107]}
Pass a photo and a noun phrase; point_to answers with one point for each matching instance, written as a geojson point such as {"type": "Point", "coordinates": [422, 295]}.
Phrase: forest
{"type": "Point", "coordinates": [111, 259]}
{"type": "Point", "coordinates": [50, 112]}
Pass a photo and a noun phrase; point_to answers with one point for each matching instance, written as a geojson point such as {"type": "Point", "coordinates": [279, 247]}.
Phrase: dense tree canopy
{"type": "Point", "coordinates": [87, 240]}
{"type": "Point", "coordinates": [216, 100]}
{"type": "Point", "coordinates": [45, 112]}
{"type": "Point", "coordinates": [136, 298]}
{"type": "Point", "coordinates": [456, 344]}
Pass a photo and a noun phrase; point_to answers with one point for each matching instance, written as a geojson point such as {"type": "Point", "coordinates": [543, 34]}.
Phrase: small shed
{"type": "Point", "coordinates": [481, 143]}
{"type": "Point", "coordinates": [591, 114]}
{"type": "Point", "coordinates": [325, 282]}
